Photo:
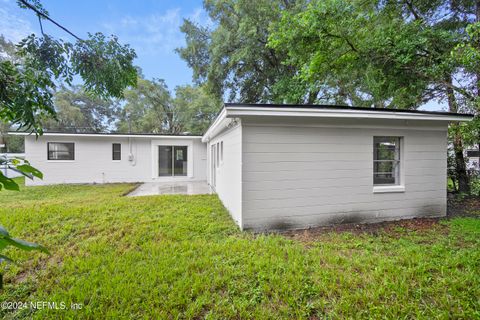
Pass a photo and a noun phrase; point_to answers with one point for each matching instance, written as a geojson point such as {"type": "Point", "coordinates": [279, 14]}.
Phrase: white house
{"type": "Point", "coordinates": [283, 167]}
{"type": "Point", "coordinates": [279, 166]}
{"type": "Point", "coordinates": [106, 158]}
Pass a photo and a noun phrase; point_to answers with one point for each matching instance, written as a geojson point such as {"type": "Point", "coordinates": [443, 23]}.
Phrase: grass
{"type": "Point", "coordinates": [182, 257]}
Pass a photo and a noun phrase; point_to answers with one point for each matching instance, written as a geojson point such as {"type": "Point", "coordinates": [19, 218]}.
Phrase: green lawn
{"type": "Point", "coordinates": [183, 257]}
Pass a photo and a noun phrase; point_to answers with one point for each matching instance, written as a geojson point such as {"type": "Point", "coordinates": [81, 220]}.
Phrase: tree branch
{"type": "Point", "coordinates": [41, 14]}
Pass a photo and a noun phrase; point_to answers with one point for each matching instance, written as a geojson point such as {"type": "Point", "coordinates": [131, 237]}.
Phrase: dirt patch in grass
{"type": "Point", "coordinates": [392, 228]}
{"type": "Point", "coordinates": [457, 207]}
{"type": "Point", "coordinates": [463, 206]}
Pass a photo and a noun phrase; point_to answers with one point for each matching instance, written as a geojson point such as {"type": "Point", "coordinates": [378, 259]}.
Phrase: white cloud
{"type": "Point", "coordinates": [12, 24]}
{"type": "Point", "coordinates": [150, 34]}
{"type": "Point", "coordinates": [154, 33]}
{"type": "Point", "coordinates": [200, 17]}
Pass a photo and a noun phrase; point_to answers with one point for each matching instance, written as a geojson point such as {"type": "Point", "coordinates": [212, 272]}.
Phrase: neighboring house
{"type": "Point", "coordinates": [281, 166]}
{"type": "Point", "coordinates": [473, 159]}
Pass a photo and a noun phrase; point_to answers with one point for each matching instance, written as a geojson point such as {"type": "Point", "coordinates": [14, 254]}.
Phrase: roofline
{"type": "Point", "coordinates": [339, 113]}
{"type": "Point", "coordinates": [238, 110]}
{"type": "Point", "coordinates": [117, 135]}
{"type": "Point", "coordinates": [213, 127]}
{"type": "Point", "coordinates": [343, 108]}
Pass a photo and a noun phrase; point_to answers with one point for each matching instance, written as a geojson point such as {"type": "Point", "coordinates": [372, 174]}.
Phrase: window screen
{"type": "Point", "coordinates": [61, 151]}
{"type": "Point", "coordinates": [386, 160]}
{"type": "Point", "coordinates": [116, 151]}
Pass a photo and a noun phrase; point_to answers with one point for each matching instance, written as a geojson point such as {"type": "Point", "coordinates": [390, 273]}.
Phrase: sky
{"type": "Point", "coordinates": [151, 27]}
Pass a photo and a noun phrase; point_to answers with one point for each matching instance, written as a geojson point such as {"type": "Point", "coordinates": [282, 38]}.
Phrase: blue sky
{"type": "Point", "coordinates": [150, 27]}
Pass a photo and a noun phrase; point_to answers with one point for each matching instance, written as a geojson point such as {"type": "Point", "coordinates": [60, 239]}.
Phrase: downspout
{"type": "Point", "coordinates": [131, 157]}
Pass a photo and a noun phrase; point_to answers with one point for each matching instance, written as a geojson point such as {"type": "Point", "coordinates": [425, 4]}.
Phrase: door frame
{"type": "Point", "coordinates": [172, 142]}
{"type": "Point", "coordinates": [213, 164]}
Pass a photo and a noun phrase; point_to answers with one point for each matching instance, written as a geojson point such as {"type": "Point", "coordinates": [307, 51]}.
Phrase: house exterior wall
{"type": "Point", "coordinates": [228, 180]}
{"type": "Point", "coordinates": [93, 160]}
{"type": "Point", "coordinates": [298, 175]}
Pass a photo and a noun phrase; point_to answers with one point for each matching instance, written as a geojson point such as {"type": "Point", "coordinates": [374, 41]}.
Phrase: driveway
{"type": "Point", "coordinates": [158, 188]}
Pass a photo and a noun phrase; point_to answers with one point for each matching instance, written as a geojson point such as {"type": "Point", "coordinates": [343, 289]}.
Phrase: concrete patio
{"type": "Point", "coordinates": [159, 188]}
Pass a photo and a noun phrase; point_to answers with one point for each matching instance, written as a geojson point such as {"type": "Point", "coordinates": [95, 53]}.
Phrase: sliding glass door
{"type": "Point", "coordinates": [172, 161]}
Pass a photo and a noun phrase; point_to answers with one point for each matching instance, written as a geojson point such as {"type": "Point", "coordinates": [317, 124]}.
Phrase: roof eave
{"type": "Point", "coordinates": [67, 134]}
{"type": "Point", "coordinates": [215, 126]}
{"type": "Point", "coordinates": [338, 113]}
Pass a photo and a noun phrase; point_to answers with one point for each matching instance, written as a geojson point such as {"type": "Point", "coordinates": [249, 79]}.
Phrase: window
{"type": "Point", "coordinates": [116, 151]}
{"type": "Point", "coordinates": [473, 153]}
{"type": "Point", "coordinates": [386, 161]}
{"type": "Point", "coordinates": [172, 161]}
{"type": "Point", "coordinates": [61, 151]}
{"type": "Point", "coordinates": [221, 151]}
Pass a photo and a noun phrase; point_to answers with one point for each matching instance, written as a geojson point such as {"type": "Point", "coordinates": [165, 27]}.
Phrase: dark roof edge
{"type": "Point", "coordinates": [340, 107]}
{"type": "Point", "coordinates": [117, 133]}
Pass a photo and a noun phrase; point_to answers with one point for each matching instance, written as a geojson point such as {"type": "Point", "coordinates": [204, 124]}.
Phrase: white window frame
{"type": "Point", "coordinates": [121, 147]}
{"type": "Point", "coordinates": [399, 185]}
{"type": "Point", "coordinates": [61, 160]}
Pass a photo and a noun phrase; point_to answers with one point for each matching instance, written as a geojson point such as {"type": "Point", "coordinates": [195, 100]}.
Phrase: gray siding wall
{"type": "Point", "coordinates": [298, 176]}
{"type": "Point", "coordinates": [229, 171]}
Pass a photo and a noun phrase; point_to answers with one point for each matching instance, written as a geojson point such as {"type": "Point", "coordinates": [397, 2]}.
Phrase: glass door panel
{"type": "Point", "coordinates": [180, 161]}
{"type": "Point", "coordinates": [165, 161]}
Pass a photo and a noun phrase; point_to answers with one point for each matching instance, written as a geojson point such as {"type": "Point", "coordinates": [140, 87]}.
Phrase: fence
{"type": "Point", "coordinates": [4, 169]}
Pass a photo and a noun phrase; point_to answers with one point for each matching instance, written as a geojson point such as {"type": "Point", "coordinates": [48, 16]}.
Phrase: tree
{"type": "Point", "coordinates": [196, 108]}
{"type": "Point", "coordinates": [80, 111]}
{"type": "Point", "coordinates": [150, 107]}
{"type": "Point", "coordinates": [233, 59]}
{"type": "Point", "coordinates": [29, 74]}
{"type": "Point", "coordinates": [28, 78]}
{"type": "Point", "coordinates": [26, 86]}
{"type": "Point", "coordinates": [395, 54]}
{"type": "Point", "coordinates": [13, 144]}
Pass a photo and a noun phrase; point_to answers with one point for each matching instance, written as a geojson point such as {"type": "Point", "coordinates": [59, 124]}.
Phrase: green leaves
{"type": "Point", "coordinates": [394, 54]}
{"type": "Point", "coordinates": [25, 95]}
{"type": "Point", "coordinates": [27, 169]}
{"type": "Point", "coordinates": [7, 183]}
{"type": "Point", "coordinates": [6, 240]}
{"type": "Point", "coordinates": [21, 166]}
{"type": "Point", "coordinates": [150, 107]}
{"type": "Point", "coordinates": [104, 64]}
{"type": "Point", "coordinates": [4, 232]}
{"type": "Point", "coordinates": [232, 59]}
{"type": "Point", "coordinates": [22, 244]}
{"type": "Point", "coordinates": [28, 76]}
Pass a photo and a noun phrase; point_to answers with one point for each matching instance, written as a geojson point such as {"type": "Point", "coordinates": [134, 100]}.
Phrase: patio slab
{"type": "Point", "coordinates": [159, 188]}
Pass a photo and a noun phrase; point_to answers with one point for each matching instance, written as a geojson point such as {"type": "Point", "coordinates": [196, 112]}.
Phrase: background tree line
{"type": "Point", "coordinates": [148, 108]}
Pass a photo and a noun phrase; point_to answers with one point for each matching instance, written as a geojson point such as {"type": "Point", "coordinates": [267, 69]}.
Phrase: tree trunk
{"type": "Point", "coordinates": [460, 166]}
{"type": "Point", "coordinates": [312, 96]}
